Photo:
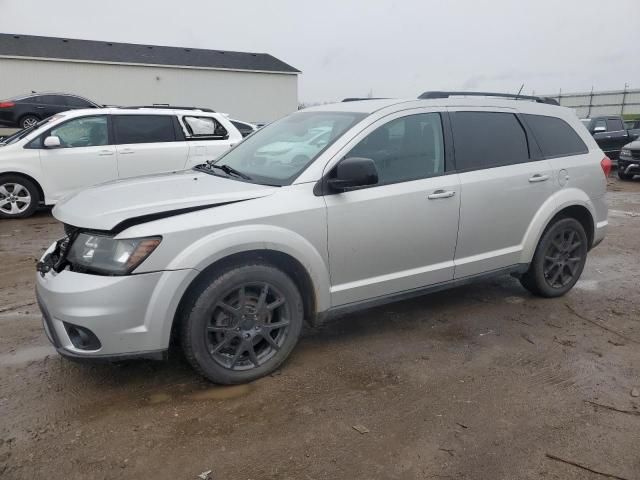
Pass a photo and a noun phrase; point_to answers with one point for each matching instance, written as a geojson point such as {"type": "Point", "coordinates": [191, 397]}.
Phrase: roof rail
{"type": "Point", "coordinates": [355, 99]}
{"type": "Point", "coordinates": [514, 96]}
{"type": "Point", "coordinates": [169, 107]}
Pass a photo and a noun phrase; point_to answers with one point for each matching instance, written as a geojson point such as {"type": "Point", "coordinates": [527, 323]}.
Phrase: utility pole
{"type": "Point", "coordinates": [590, 103]}
{"type": "Point", "coordinates": [624, 98]}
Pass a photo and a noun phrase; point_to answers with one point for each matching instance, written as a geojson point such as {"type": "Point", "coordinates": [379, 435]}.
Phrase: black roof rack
{"type": "Point", "coordinates": [170, 107]}
{"type": "Point", "coordinates": [514, 96]}
{"type": "Point", "coordinates": [355, 99]}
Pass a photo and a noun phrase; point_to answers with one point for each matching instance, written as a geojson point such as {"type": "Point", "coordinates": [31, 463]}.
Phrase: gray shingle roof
{"type": "Point", "coordinates": [98, 51]}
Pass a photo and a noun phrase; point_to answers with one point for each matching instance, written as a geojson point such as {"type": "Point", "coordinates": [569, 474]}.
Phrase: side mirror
{"type": "Point", "coordinates": [352, 173]}
{"type": "Point", "coordinates": [52, 142]}
{"type": "Point", "coordinates": [599, 129]}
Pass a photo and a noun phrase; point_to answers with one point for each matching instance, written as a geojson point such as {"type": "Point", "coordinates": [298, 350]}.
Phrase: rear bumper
{"type": "Point", "coordinates": [131, 316]}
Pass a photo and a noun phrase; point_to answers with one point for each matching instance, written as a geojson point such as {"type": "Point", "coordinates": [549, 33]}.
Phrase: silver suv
{"type": "Point", "coordinates": [331, 209]}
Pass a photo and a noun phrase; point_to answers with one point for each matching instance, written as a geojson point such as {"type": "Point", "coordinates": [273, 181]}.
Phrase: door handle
{"type": "Point", "coordinates": [105, 153]}
{"type": "Point", "coordinates": [538, 177]}
{"type": "Point", "coordinates": [441, 194]}
{"type": "Point", "coordinates": [126, 151]}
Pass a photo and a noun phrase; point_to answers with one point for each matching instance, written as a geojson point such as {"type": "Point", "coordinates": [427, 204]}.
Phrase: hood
{"type": "Point", "coordinates": [635, 145]}
{"type": "Point", "coordinates": [104, 206]}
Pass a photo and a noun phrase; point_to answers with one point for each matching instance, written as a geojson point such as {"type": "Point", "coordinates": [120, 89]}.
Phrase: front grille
{"type": "Point", "coordinates": [635, 154]}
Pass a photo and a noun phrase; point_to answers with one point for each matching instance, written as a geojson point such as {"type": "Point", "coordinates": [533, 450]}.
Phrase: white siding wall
{"type": "Point", "coordinates": [245, 95]}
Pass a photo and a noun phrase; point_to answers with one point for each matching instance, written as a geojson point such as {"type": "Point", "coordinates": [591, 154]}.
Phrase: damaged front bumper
{"type": "Point", "coordinates": [108, 317]}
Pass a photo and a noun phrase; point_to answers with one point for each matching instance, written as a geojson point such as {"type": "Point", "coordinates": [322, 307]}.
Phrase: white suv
{"type": "Point", "coordinates": [401, 198]}
{"type": "Point", "coordinates": [80, 148]}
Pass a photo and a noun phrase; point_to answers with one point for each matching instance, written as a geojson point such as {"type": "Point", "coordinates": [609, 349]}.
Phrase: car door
{"type": "Point", "coordinates": [400, 234]}
{"type": "Point", "coordinates": [86, 155]}
{"type": "Point", "coordinates": [617, 135]}
{"type": "Point", "coordinates": [606, 138]}
{"type": "Point", "coordinates": [207, 138]}
{"type": "Point", "coordinates": [503, 180]}
{"type": "Point", "coordinates": [148, 144]}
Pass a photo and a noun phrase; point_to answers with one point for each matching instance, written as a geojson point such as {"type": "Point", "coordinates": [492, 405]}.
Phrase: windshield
{"type": "Point", "coordinates": [278, 153]}
{"type": "Point", "coordinates": [20, 134]}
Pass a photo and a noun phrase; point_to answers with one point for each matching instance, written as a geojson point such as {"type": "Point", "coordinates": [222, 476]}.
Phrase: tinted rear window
{"type": "Point", "coordinates": [614, 124]}
{"type": "Point", "coordinates": [77, 102]}
{"type": "Point", "coordinates": [555, 136]}
{"type": "Point", "coordinates": [143, 129]}
{"type": "Point", "coordinates": [488, 139]}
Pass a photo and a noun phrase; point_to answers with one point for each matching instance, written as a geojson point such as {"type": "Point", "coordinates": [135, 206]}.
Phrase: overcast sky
{"type": "Point", "coordinates": [390, 48]}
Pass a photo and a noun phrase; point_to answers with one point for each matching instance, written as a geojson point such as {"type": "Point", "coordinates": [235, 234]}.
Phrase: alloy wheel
{"type": "Point", "coordinates": [29, 122]}
{"type": "Point", "coordinates": [248, 325]}
{"type": "Point", "coordinates": [14, 198]}
{"type": "Point", "coordinates": [563, 258]}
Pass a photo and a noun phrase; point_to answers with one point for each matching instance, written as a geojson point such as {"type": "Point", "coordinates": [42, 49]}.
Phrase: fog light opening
{"type": "Point", "coordinates": [82, 338]}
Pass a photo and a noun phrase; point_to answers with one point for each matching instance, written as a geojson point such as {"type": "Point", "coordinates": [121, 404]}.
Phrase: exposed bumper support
{"type": "Point", "coordinates": [632, 166]}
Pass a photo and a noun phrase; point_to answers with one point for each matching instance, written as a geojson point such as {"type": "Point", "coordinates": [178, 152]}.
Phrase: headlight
{"type": "Point", "coordinates": [106, 255]}
{"type": "Point", "coordinates": [626, 152]}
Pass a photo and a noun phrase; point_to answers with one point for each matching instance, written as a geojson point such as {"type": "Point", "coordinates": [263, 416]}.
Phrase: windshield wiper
{"type": "Point", "coordinates": [229, 170]}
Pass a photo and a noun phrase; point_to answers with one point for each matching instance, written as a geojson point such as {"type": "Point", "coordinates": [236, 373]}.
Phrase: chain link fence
{"type": "Point", "coordinates": [624, 102]}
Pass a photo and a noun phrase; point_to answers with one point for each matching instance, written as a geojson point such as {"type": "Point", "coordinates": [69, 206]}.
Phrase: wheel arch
{"type": "Point", "coordinates": [31, 179]}
{"type": "Point", "coordinates": [571, 203]}
{"type": "Point", "coordinates": [28, 114]}
{"type": "Point", "coordinates": [283, 261]}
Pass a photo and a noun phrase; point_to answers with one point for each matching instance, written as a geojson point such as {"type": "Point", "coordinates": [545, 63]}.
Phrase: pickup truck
{"type": "Point", "coordinates": [610, 133]}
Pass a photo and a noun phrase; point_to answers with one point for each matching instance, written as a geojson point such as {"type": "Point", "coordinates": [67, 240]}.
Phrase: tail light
{"type": "Point", "coordinates": [606, 165]}
{"type": "Point", "coordinates": [7, 104]}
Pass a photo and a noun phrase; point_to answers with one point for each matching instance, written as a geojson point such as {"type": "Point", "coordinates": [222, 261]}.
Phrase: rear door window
{"type": "Point", "coordinates": [130, 129]}
{"type": "Point", "coordinates": [488, 139]}
{"type": "Point", "coordinates": [77, 102]}
{"type": "Point", "coordinates": [51, 100]}
{"type": "Point", "coordinates": [555, 136]}
{"type": "Point", "coordinates": [614, 124]}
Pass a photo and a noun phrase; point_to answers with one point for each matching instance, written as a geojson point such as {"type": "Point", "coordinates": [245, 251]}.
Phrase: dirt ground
{"type": "Point", "coordinates": [479, 382]}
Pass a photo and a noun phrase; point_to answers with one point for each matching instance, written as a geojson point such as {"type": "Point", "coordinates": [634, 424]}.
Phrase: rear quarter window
{"type": "Point", "coordinates": [555, 137]}
{"type": "Point", "coordinates": [204, 127]}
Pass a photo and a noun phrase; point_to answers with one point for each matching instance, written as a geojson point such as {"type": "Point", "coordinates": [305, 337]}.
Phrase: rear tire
{"type": "Point", "coordinates": [19, 197]}
{"type": "Point", "coordinates": [242, 324]}
{"type": "Point", "coordinates": [624, 176]}
{"type": "Point", "coordinates": [559, 259]}
{"type": "Point", "coordinates": [28, 121]}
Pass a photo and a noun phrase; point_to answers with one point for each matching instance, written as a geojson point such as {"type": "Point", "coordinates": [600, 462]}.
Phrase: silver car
{"type": "Point", "coordinates": [404, 197]}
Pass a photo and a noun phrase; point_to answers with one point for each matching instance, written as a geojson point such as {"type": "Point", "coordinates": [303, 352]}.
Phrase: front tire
{"type": "Point", "coordinates": [559, 259]}
{"type": "Point", "coordinates": [242, 324]}
{"type": "Point", "coordinates": [19, 197]}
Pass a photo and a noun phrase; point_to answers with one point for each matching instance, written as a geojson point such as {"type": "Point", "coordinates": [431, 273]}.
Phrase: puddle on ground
{"type": "Point", "coordinates": [221, 393]}
{"type": "Point", "coordinates": [213, 393]}
{"type": "Point", "coordinates": [590, 285]}
{"type": "Point", "coordinates": [25, 355]}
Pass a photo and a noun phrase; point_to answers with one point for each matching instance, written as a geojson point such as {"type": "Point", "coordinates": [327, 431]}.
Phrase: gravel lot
{"type": "Point", "coordinates": [480, 382]}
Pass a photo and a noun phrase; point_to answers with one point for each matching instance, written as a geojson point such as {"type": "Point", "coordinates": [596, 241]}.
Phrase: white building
{"type": "Point", "coordinates": [255, 87]}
